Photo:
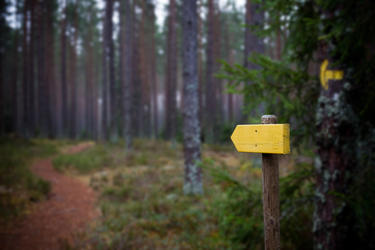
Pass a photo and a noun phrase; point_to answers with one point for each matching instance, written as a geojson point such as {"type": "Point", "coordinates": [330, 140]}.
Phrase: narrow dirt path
{"type": "Point", "coordinates": [69, 209]}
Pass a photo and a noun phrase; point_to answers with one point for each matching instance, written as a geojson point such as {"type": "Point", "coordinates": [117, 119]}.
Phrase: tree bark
{"type": "Point", "coordinates": [271, 200]}
{"type": "Point", "coordinates": [50, 70]}
{"type": "Point", "coordinates": [44, 118]}
{"type": "Point", "coordinates": [25, 78]}
{"type": "Point", "coordinates": [144, 71]}
{"type": "Point", "coordinates": [171, 74]}
{"type": "Point", "coordinates": [211, 95]}
{"type": "Point", "coordinates": [193, 173]}
{"type": "Point", "coordinates": [335, 162]}
{"type": "Point", "coordinates": [154, 80]}
{"type": "Point", "coordinates": [254, 17]}
{"type": "Point", "coordinates": [127, 77]}
{"type": "Point", "coordinates": [113, 111]}
{"type": "Point", "coordinates": [64, 85]}
{"type": "Point", "coordinates": [73, 76]}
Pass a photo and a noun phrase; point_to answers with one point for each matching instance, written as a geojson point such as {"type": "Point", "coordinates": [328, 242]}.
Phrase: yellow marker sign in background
{"type": "Point", "coordinates": [326, 75]}
{"type": "Point", "coordinates": [262, 138]}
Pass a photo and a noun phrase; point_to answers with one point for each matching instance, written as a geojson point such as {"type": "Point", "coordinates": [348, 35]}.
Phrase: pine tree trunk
{"type": "Point", "coordinates": [334, 164]}
{"type": "Point", "coordinates": [254, 16]}
{"type": "Point", "coordinates": [127, 10]}
{"type": "Point", "coordinates": [154, 80]}
{"type": "Point", "coordinates": [25, 83]}
{"type": "Point", "coordinates": [50, 70]}
{"type": "Point", "coordinates": [217, 55]}
{"type": "Point", "coordinates": [211, 107]}
{"type": "Point", "coordinates": [89, 105]}
{"type": "Point", "coordinates": [144, 72]}
{"type": "Point", "coordinates": [73, 77]}
{"type": "Point", "coordinates": [106, 104]}
{"type": "Point", "coordinates": [64, 85]}
{"type": "Point", "coordinates": [109, 56]}
{"type": "Point", "coordinates": [191, 128]}
{"type": "Point", "coordinates": [200, 64]}
{"type": "Point", "coordinates": [43, 86]}
{"type": "Point", "coordinates": [171, 74]}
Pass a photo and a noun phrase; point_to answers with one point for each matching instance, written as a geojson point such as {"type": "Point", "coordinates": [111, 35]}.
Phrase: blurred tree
{"type": "Point", "coordinates": [127, 9]}
{"type": "Point", "coordinates": [254, 19]}
{"type": "Point", "coordinates": [44, 87]}
{"type": "Point", "coordinates": [153, 70]}
{"type": "Point", "coordinates": [211, 112]}
{"type": "Point", "coordinates": [193, 172]}
{"type": "Point", "coordinates": [49, 68]}
{"type": "Point", "coordinates": [4, 36]}
{"type": "Point", "coordinates": [171, 74]}
{"type": "Point", "coordinates": [63, 69]}
{"type": "Point", "coordinates": [72, 73]}
{"type": "Point", "coordinates": [108, 86]}
{"type": "Point", "coordinates": [145, 69]}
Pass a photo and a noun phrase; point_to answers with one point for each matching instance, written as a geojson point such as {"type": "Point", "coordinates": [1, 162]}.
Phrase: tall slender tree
{"type": "Point", "coordinates": [49, 69]}
{"type": "Point", "coordinates": [171, 74]}
{"type": "Point", "coordinates": [110, 57]}
{"type": "Point", "coordinates": [25, 112]}
{"type": "Point", "coordinates": [144, 53]}
{"type": "Point", "coordinates": [63, 69]}
{"type": "Point", "coordinates": [254, 17]}
{"type": "Point", "coordinates": [108, 86]}
{"type": "Point", "coordinates": [127, 8]}
{"type": "Point", "coordinates": [153, 72]}
{"type": "Point", "coordinates": [211, 107]}
{"type": "Point", "coordinates": [44, 118]}
{"type": "Point", "coordinates": [193, 173]}
{"type": "Point", "coordinates": [72, 50]}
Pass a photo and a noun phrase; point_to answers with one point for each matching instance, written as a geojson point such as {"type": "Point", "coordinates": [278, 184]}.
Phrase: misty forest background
{"type": "Point", "coordinates": [155, 103]}
{"type": "Point", "coordinates": [68, 66]}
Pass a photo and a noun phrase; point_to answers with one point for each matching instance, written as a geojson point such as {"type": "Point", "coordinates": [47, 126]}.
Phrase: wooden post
{"type": "Point", "coordinates": [271, 202]}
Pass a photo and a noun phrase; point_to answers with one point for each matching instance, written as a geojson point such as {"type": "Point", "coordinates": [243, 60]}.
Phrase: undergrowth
{"type": "Point", "coordinates": [18, 186]}
{"type": "Point", "coordinates": [93, 158]}
{"type": "Point", "coordinates": [143, 206]}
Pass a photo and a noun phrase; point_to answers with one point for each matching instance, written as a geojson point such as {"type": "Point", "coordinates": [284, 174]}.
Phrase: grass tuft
{"type": "Point", "coordinates": [18, 186]}
{"type": "Point", "coordinates": [94, 158]}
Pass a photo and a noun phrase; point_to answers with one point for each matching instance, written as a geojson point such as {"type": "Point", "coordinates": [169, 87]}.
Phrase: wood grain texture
{"type": "Point", "coordinates": [271, 202]}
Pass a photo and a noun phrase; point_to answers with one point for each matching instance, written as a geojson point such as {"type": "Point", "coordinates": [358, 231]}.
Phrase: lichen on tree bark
{"type": "Point", "coordinates": [334, 165]}
{"type": "Point", "coordinates": [193, 173]}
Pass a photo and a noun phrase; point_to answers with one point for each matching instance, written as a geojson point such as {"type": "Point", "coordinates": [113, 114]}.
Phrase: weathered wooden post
{"type": "Point", "coordinates": [270, 139]}
{"type": "Point", "coordinates": [271, 200]}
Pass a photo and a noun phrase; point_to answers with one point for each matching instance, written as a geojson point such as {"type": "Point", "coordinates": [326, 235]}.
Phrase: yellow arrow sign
{"type": "Point", "coordinates": [326, 75]}
{"type": "Point", "coordinates": [262, 138]}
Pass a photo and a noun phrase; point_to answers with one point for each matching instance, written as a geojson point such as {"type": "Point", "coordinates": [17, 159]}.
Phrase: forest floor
{"type": "Point", "coordinates": [105, 198]}
{"type": "Point", "coordinates": [69, 208]}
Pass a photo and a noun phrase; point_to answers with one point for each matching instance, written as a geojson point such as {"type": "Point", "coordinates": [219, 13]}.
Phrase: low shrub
{"type": "Point", "coordinates": [18, 186]}
{"type": "Point", "coordinates": [94, 158]}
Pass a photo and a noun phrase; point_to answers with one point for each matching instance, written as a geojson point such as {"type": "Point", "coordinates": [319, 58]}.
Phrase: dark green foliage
{"type": "Point", "coordinates": [280, 90]}
{"type": "Point", "coordinates": [225, 131]}
{"type": "Point", "coordinates": [361, 198]}
{"type": "Point", "coordinates": [240, 211]}
{"type": "Point", "coordinates": [290, 88]}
